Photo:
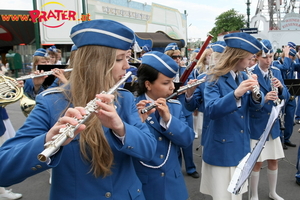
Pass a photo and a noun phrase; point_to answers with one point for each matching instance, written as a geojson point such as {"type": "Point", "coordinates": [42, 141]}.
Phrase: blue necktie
{"type": "Point", "coordinates": [237, 80]}
{"type": "Point", "coordinates": [266, 79]}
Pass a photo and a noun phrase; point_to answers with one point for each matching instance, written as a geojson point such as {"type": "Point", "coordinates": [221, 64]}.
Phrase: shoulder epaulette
{"type": "Point", "coordinates": [174, 101]}
{"type": "Point", "coordinates": [51, 91]}
{"type": "Point", "coordinates": [273, 67]}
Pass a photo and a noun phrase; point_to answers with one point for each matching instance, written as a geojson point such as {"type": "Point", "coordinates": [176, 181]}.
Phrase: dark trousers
{"type": "Point", "coordinates": [290, 109]}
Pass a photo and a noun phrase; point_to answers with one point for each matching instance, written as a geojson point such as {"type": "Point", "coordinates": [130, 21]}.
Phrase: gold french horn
{"type": "Point", "coordinates": [10, 92]}
{"type": "Point", "coordinates": [26, 104]}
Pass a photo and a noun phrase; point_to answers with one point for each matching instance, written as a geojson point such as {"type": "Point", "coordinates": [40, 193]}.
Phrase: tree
{"type": "Point", "coordinates": [228, 21]}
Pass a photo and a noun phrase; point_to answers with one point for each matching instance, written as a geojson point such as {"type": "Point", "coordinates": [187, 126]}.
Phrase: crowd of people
{"type": "Point", "coordinates": [120, 148]}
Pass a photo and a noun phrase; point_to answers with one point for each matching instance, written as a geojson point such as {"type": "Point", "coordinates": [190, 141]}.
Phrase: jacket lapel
{"type": "Point", "coordinates": [260, 78]}
{"type": "Point", "coordinates": [230, 81]}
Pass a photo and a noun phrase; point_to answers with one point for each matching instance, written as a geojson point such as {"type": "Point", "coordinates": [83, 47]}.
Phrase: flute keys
{"type": "Point", "coordinates": [47, 144]}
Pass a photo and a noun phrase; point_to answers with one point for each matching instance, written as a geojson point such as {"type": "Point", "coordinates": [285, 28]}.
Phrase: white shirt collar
{"type": "Point", "coordinates": [263, 72]}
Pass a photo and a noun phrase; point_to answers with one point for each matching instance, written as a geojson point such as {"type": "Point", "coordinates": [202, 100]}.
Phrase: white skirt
{"type": "Point", "coordinates": [215, 181]}
{"type": "Point", "coordinates": [272, 151]}
{"type": "Point", "coordinates": [9, 133]}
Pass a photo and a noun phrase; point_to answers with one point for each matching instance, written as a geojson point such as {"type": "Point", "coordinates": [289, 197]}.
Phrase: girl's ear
{"type": "Point", "coordinates": [148, 85]}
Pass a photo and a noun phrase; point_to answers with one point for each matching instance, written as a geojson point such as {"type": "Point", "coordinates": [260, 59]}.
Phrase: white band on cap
{"type": "Point", "coordinates": [265, 46]}
{"type": "Point", "coordinates": [102, 32]}
{"type": "Point", "coordinates": [40, 52]}
{"type": "Point", "coordinates": [244, 41]}
{"type": "Point", "coordinates": [218, 45]}
{"type": "Point", "coordinates": [160, 60]}
{"type": "Point", "coordinates": [173, 47]}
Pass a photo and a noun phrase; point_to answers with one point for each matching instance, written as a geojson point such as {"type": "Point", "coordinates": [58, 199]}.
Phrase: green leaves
{"type": "Point", "coordinates": [226, 22]}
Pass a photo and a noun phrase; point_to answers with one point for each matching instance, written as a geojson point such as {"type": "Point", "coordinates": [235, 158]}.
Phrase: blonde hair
{"type": "Point", "coordinates": [214, 58]}
{"type": "Point", "coordinates": [52, 53]}
{"type": "Point", "coordinates": [91, 74]}
{"type": "Point", "coordinates": [35, 61]}
{"type": "Point", "coordinates": [171, 52]}
{"type": "Point", "coordinates": [202, 62]}
{"type": "Point", "coordinates": [227, 62]}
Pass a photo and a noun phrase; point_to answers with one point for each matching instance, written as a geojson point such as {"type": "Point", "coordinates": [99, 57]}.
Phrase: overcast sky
{"type": "Point", "coordinates": [201, 13]}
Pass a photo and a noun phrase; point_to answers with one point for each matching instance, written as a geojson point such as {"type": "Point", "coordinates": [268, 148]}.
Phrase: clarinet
{"type": "Point", "coordinates": [277, 101]}
{"type": "Point", "coordinates": [271, 76]}
{"type": "Point", "coordinates": [68, 132]}
{"type": "Point", "coordinates": [188, 86]}
{"type": "Point", "coordinates": [39, 75]}
{"type": "Point", "coordinates": [256, 90]}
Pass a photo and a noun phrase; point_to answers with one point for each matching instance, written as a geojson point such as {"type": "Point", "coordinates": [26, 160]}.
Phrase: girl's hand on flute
{"type": "Point", "coordinates": [108, 114]}
{"type": "Point", "coordinates": [140, 106]}
{"type": "Point", "coordinates": [245, 86]}
{"type": "Point", "coordinates": [68, 118]}
{"type": "Point", "coordinates": [189, 92]}
{"type": "Point", "coordinates": [163, 109]}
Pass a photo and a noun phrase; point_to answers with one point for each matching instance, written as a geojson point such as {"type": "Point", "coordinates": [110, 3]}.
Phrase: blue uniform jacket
{"type": "Point", "coordinates": [260, 117]}
{"type": "Point", "coordinates": [166, 182]}
{"type": "Point", "coordinates": [287, 68]}
{"type": "Point", "coordinates": [228, 134]}
{"type": "Point", "coordinates": [29, 89]}
{"type": "Point", "coordinates": [197, 101]}
{"type": "Point", "coordinates": [181, 97]}
{"type": "Point", "coordinates": [71, 178]}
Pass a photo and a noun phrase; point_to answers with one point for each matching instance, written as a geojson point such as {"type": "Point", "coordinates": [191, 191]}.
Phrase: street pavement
{"type": "Point", "coordinates": [37, 187]}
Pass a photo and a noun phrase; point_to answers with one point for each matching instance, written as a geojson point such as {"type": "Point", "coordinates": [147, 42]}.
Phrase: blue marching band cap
{"type": "Point", "coordinates": [172, 46]}
{"type": "Point", "coordinates": [266, 47]}
{"type": "Point", "coordinates": [209, 46]}
{"type": "Point", "coordinates": [74, 47]}
{"type": "Point", "coordinates": [292, 52]}
{"type": "Point", "coordinates": [40, 52]}
{"type": "Point", "coordinates": [161, 62]}
{"type": "Point", "coordinates": [243, 41]}
{"type": "Point", "coordinates": [52, 48]}
{"type": "Point", "coordinates": [197, 50]}
{"type": "Point", "coordinates": [218, 46]}
{"type": "Point", "coordinates": [292, 45]}
{"type": "Point", "coordinates": [146, 48]}
{"type": "Point", "coordinates": [102, 32]}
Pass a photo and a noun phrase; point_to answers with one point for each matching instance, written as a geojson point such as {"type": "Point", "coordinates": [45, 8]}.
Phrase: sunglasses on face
{"type": "Point", "coordinates": [175, 57]}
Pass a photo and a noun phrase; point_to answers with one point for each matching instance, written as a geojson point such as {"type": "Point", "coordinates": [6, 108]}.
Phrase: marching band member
{"type": "Point", "coordinates": [53, 55]}
{"type": "Point", "coordinates": [7, 131]}
{"type": "Point", "coordinates": [200, 69]}
{"type": "Point", "coordinates": [162, 177]}
{"type": "Point", "coordinates": [97, 163]}
{"type": "Point", "coordinates": [195, 97]}
{"type": "Point", "coordinates": [33, 87]}
{"type": "Point", "coordinates": [288, 70]}
{"type": "Point", "coordinates": [61, 77]}
{"type": "Point", "coordinates": [173, 51]}
{"type": "Point", "coordinates": [204, 61]}
{"type": "Point", "coordinates": [228, 95]}
{"type": "Point", "coordinates": [197, 115]}
{"type": "Point", "coordinates": [269, 79]}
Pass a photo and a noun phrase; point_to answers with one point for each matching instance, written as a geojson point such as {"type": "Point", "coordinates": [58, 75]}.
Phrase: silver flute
{"type": "Point", "coordinates": [40, 75]}
{"type": "Point", "coordinates": [188, 86]}
{"type": "Point", "coordinates": [271, 76]}
{"type": "Point", "coordinates": [256, 90]}
{"type": "Point", "coordinates": [68, 132]}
